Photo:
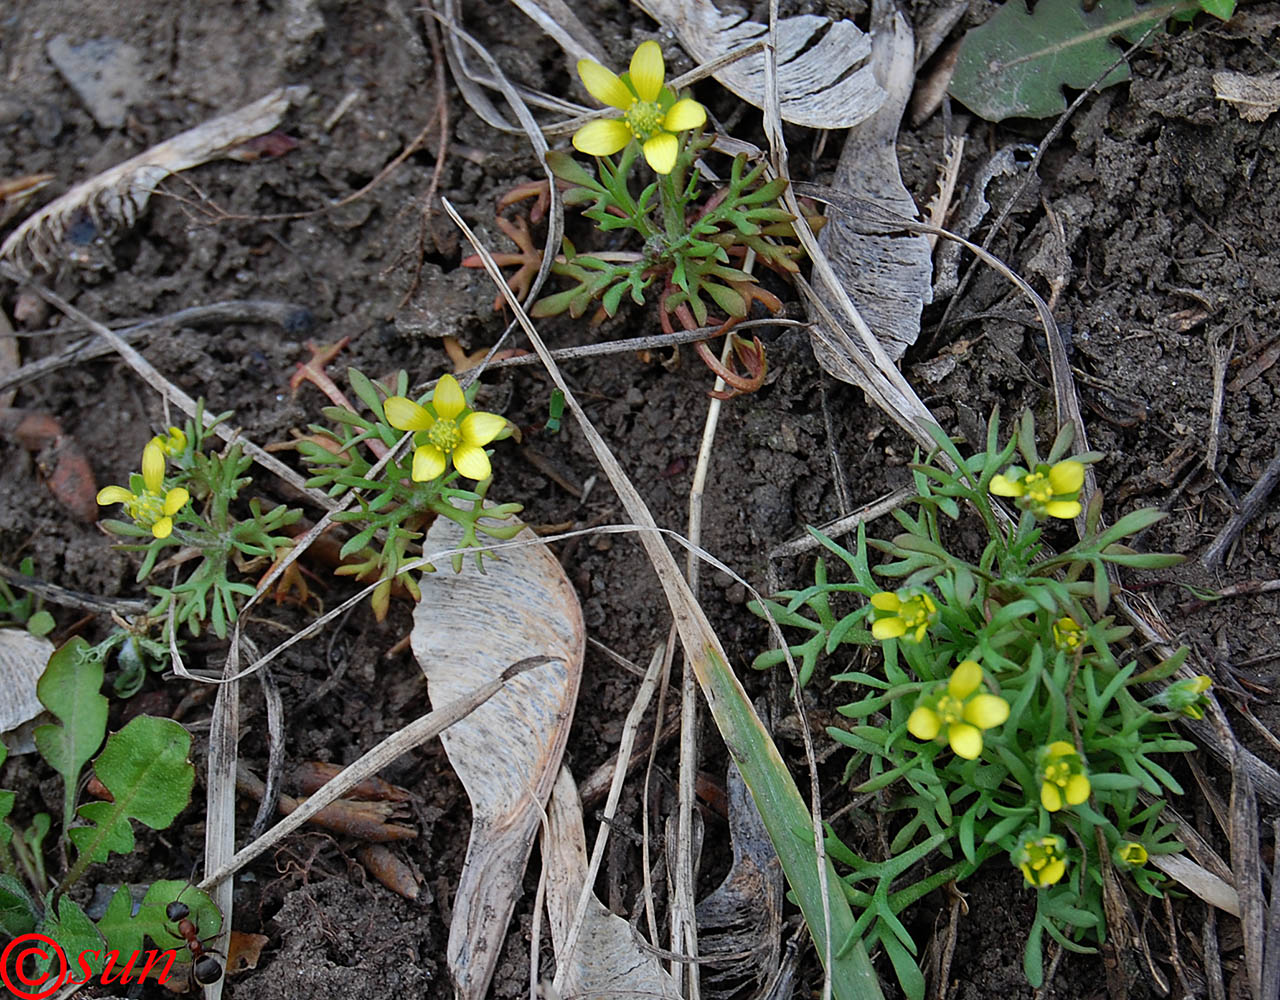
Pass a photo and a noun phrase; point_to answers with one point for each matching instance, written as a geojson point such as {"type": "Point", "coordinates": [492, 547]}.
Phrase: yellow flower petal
{"type": "Point", "coordinates": [1059, 748]}
{"type": "Point", "coordinates": [1027, 873]}
{"type": "Point", "coordinates": [1065, 509]}
{"type": "Point", "coordinates": [153, 467]}
{"type": "Point", "coordinates": [1050, 796]}
{"type": "Point", "coordinates": [986, 711]}
{"type": "Point", "coordinates": [1053, 871]}
{"type": "Point", "coordinates": [964, 679]}
{"type": "Point", "coordinates": [406, 415]}
{"type": "Point", "coordinates": [1066, 477]}
{"type": "Point", "coordinates": [163, 528]}
{"type": "Point", "coordinates": [113, 494]}
{"type": "Point", "coordinates": [965, 740]}
{"type": "Point", "coordinates": [604, 85]}
{"type": "Point", "coordinates": [647, 73]}
{"type": "Point", "coordinates": [448, 398]}
{"type": "Point", "coordinates": [428, 463]}
{"type": "Point", "coordinates": [888, 628]}
{"type": "Point", "coordinates": [684, 114]}
{"type": "Point", "coordinates": [661, 152]}
{"type": "Point", "coordinates": [1077, 789]}
{"type": "Point", "coordinates": [1003, 487]}
{"type": "Point", "coordinates": [603, 137]}
{"type": "Point", "coordinates": [472, 462]}
{"type": "Point", "coordinates": [923, 723]}
{"type": "Point", "coordinates": [885, 601]}
{"type": "Point", "coordinates": [175, 500]}
{"type": "Point", "coordinates": [481, 428]}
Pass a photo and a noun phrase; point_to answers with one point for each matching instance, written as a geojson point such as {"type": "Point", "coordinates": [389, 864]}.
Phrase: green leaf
{"type": "Point", "coordinates": [365, 389]}
{"type": "Point", "coordinates": [125, 930]}
{"type": "Point", "coordinates": [70, 688]}
{"type": "Point", "coordinates": [1018, 62]}
{"type": "Point", "coordinates": [18, 912]}
{"type": "Point", "coordinates": [145, 767]}
{"type": "Point", "coordinates": [565, 167]}
{"type": "Point", "coordinates": [1221, 9]}
{"type": "Point", "coordinates": [73, 931]}
{"type": "Point", "coordinates": [41, 623]}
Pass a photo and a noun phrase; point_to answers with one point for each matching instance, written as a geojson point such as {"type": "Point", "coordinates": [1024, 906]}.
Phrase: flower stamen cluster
{"type": "Point", "coordinates": [1046, 491]}
{"type": "Point", "coordinates": [959, 711]}
{"type": "Point", "coordinates": [153, 507]}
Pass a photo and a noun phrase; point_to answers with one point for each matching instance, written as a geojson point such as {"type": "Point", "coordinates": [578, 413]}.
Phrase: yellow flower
{"type": "Point", "coordinates": [1131, 853]}
{"type": "Point", "coordinates": [453, 431]}
{"type": "Point", "coordinates": [650, 111]}
{"type": "Point", "coordinates": [959, 711]}
{"type": "Point", "coordinates": [903, 613]}
{"type": "Point", "coordinates": [1063, 780]}
{"type": "Point", "coordinates": [1067, 634]}
{"type": "Point", "coordinates": [173, 443]}
{"type": "Point", "coordinates": [1051, 491]}
{"type": "Point", "coordinates": [150, 508]}
{"type": "Point", "coordinates": [1042, 859]}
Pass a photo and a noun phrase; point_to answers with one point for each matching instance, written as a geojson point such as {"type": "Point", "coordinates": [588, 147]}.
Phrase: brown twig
{"type": "Point", "coordinates": [1249, 507]}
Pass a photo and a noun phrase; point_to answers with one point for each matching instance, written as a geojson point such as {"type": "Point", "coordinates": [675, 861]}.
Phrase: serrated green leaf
{"type": "Point", "coordinates": [18, 912]}
{"type": "Point", "coordinates": [145, 767]}
{"type": "Point", "coordinates": [126, 930]}
{"type": "Point", "coordinates": [73, 931]}
{"type": "Point", "coordinates": [1018, 62]}
{"type": "Point", "coordinates": [70, 688]}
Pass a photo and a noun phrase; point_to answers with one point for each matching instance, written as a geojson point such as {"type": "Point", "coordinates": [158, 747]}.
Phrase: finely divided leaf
{"type": "Point", "coordinates": [1017, 63]}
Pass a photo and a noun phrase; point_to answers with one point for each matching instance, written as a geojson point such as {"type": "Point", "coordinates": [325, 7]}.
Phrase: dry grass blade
{"type": "Point", "coordinates": [401, 742]}
{"type": "Point", "coordinates": [165, 388]}
{"type": "Point", "coordinates": [557, 19]}
{"type": "Point", "coordinates": [1246, 866]}
{"type": "Point", "coordinates": [119, 195]}
{"type": "Point", "coordinates": [748, 742]}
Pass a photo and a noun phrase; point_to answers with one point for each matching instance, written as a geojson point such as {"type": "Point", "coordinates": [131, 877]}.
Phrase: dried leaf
{"type": "Point", "coordinates": [467, 629]}
{"type": "Point", "coordinates": [742, 919]}
{"type": "Point", "coordinates": [824, 79]}
{"type": "Point", "coordinates": [1257, 98]}
{"type": "Point", "coordinates": [22, 660]}
{"type": "Point", "coordinates": [888, 276]}
{"type": "Point", "coordinates": [605, 962]}
{"type": "Point", "coordinates": [116, 197]}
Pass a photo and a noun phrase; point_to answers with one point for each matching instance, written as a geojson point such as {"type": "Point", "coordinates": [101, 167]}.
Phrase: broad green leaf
{"type": "Point", "coordinates": [125, 930]}
{"type": "Point", "coordinates": [71, 689]}
{"type": "Point", "coordinates": [74, 931]}
{"type": "Point", "coordinates": [1018, 62]}
{"type": "Point", "coordinates": [145, 767]}
{"type": "Point", "coordinates": [18, 913]}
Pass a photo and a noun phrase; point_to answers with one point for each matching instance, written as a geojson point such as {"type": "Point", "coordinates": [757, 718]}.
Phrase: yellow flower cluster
{"type": "Point", "coordinates": [1042, 859]}
{"type": "Point", "coordinates": [1063, 780]}
{"type": "Point", "coordinates": [1050, 491]}
{"type": "Point", "coordinates": [651, 113]}
{"type": "Point", "coordinates": [959, 712]}
{"type": "Point", "coordinates": [905, 613]}
{"type": "Point", "coordinates": [453, 431]}
{"type": "Point", "coordinates": [154, 507]}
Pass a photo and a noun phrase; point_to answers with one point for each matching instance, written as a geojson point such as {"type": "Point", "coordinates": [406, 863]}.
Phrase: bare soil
{"type": "Point", "coordinates": [1167, 202]}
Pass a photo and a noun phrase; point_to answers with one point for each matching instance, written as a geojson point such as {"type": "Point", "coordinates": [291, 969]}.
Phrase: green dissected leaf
{"type": "Point", "coordinates": [70, 688]}
{"type": "Point", "coordinates": [1018, 62]}
{"type": "Point", "coordinates": [18, 913]}
{"type": "Point", "coordinates": [73, 930]}
{"type": "Point", "coordinates": [125, 930]}
{"type": "Point", "coordinates": [145, 767]}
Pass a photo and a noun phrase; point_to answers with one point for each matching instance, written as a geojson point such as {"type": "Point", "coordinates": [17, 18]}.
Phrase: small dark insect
{"type": "Point", "coordinates": [205, 969]}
